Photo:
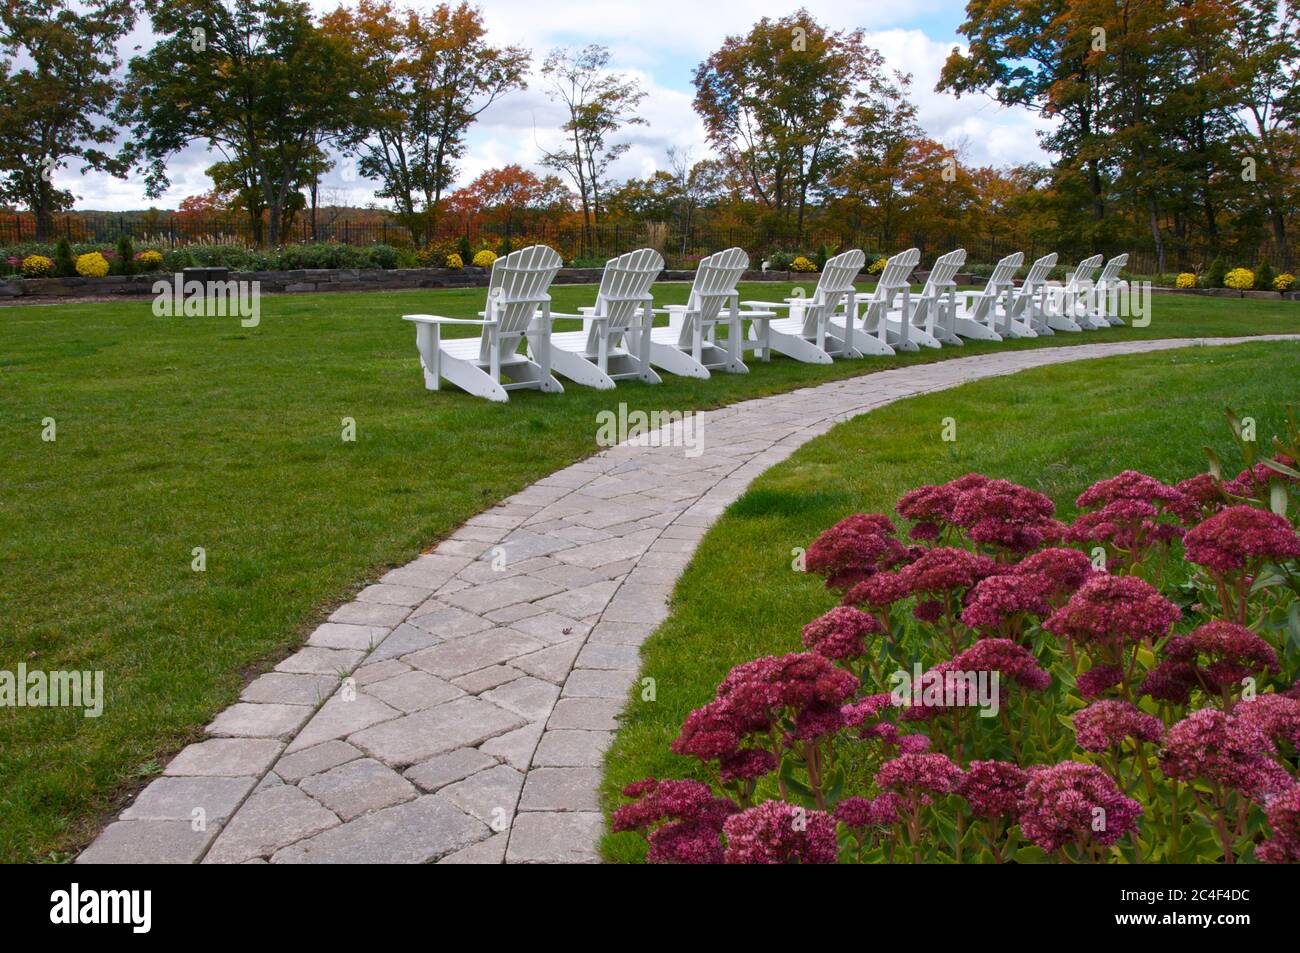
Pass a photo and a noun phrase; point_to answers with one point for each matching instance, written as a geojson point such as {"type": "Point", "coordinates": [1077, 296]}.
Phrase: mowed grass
{"type": "Point", "coordinates": [1056, 429]}
{"type": "Point", "coordinates": [178, 433]}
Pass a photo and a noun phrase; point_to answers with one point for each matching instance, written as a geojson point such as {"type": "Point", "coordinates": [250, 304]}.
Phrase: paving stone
{"type": "Point", "coordinates": [267, 821]}
{"type": "Point", "coordinates": [338, 635]}
{"type": "Point", "coordinates": [462, 656]}
{"type": "Point", "coordinates": [610, 655]}
{"type": "Point", "coordinates": [552, 627]}
{"type": "Point", "coordinates": [356, 787]}
{"type": "Point", "coordinates": [555, 838]}
{"type": "Point", "coordinates": [490, 851]}
{"type": "Point", "coordinates": [521, 545]}
{"type": "Point", "coordinates": [552, 664]}
{"type": "Point", "coordinates": [318, 661]}
{"type": "Point", "coordinates": [588, 714]}
{"type": "Point", "coordinates": [444, 769]}
{"type": "Point", "coordinates": [527, 696]}
{"type": "Point", "coordinates": [620, 633]}
{"type": "Point", "coordinates": [149, 842]}
{"type": "Point", "coordinates": [508, 615]}
{"type": "Point", "coordinates": [414, 691]}
{"type": "Point", "coordinates": [416, 832]}
{"type": "Point", "coordinates": [328, 754]}
{"type": "Point", "coordinates": [456, 724]}
{"type": "Point", "coordinates": [503, 592]}
{"type": "Point", "coordinates": [378, 671]}
{"type": "Point", "coordinates": [583, 601]}
{"type": "Point", "coordinates": [340, 717]}
{"type": "Point", "coordinates": [403, 640]}
{"type": "Point", "coordinates": [370, 613]}
{"type": "Point", "coordinates": [570, 577]}
{"type": "Point", "coordinates": [489, 795]}
{"type": "Point", "coordinates": [598, 683]}
{"type": "Point", "coordinates": [397, 595]}
{"type": "Point", "coordinates": [449, 622]}
{"type": "Point", "coordinates": [226, 757]}
{"type": "Point", "coordinates": [561, 748]}
{"type": "Point", "coordinates": [176, 799]}
{"type": "Point", "coordinates": [289, 689]}
{"type": "Point", "coordinates": [251, 720]}
{"type": "Point", "coordinates": [606, 551]}
{"type": "Point", "coordinates": [516, 747]}
{"type": "Point", "coordinates": [561, 789]}
{"type": "Point", "coordinates": [485, 678]}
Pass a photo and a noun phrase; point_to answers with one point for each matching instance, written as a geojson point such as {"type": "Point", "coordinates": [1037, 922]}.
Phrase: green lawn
{"type": "Point", "coordinates": [1056, 429]}
{"type": "Point", "coordinates": [176, 433]}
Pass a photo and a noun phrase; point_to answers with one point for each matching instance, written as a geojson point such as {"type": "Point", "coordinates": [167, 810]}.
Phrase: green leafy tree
{"type": "Point", "coordinates": [774, 103]}
{"type": "Point", "coordinates": [599, 103]}
{"type": "Point", "coordinates": [255, 80]}
{"type": "Point", "coordinates": [423, 80]}
{"type": "Point", "coordinates": [56, 90]}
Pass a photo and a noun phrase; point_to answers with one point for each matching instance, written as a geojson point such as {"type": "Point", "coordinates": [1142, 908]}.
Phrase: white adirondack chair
{"type": "Point", "coordinates": [518, 306]}
{"type": "Point", "coordinates": [688, 346]}
{"type": "Point", "coordinates": [806, 335]}
{"type": "Point", "coordinates": [1107, 291]}
{"type": "Point", "coordinates": [880, 333]}
{"type": "Point", "coordinates": [1027, 307]}
{"type": "Point", "coordinates": [932, 313]}
{"type": "Point", "coordinates": [1067, 305]}
{"type": "Point", "coordinates": [601, 354]}
{"type": "Point", "coordinates": [977, 311]}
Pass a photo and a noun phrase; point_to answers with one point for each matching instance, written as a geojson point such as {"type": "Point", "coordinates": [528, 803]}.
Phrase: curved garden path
{"type": "Point", "coordinates": [457, 710]}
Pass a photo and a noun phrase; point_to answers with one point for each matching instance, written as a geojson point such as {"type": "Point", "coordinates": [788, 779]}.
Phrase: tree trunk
{"type": "Point", "coordinates": [1153, 217]}
{"type": "Point", "coordinates": [1278, 218]}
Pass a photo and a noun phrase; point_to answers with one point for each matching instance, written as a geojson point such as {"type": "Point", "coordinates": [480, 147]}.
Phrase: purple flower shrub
{"type": "Point", "coordinates": [987, 692]}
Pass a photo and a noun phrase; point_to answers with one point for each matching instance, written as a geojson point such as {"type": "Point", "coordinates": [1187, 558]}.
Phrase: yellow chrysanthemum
{"type": "Point", "coordinates": [485, 258]}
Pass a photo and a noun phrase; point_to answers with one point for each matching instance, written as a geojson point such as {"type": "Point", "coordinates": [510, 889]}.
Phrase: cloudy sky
{"type": "Point", "coordinates": [659, 42]}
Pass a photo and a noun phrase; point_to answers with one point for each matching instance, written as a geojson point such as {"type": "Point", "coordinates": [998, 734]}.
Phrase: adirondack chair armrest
{"type": "Point", "coordinates": [755, 315]}
{"type": "Point", "coordinates": [438, 319]}
{"type": "Point", "coordinates": [564, 314]}
{"type": "Point", "coordinates": [788, 303]}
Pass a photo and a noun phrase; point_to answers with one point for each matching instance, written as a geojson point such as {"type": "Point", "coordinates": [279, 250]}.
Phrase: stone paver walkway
{"type": "Point", "coordinates": [457, 710]}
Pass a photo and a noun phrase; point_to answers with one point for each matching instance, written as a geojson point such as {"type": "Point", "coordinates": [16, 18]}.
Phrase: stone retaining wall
{"type": "Point", "coordinates": [308, 280]}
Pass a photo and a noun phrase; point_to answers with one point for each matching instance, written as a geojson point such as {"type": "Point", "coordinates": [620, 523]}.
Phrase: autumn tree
{"type": "Point", "coordinates": [423, 79]}
{"type": "Point", "coordinates": [504, 198]}
{"type": "Point", "coordinates": [598, 104]}
{"type": "Point", "coordinates": [272, 88]}
{"type": "Point", "coordinates": [774, 103]}
{"type": "Point", "coordinates": [57, 89]}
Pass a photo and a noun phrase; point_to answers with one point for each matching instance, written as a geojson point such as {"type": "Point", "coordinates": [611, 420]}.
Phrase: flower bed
{"type": "Point", "coordinates": [1128, 718]}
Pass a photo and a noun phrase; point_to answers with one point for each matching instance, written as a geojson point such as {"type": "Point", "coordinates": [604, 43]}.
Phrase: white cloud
{"type": "Point", "coordinates": [659, 43]}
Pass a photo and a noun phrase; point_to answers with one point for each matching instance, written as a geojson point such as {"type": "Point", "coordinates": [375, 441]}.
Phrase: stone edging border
{"type": "Point", "coordinates": [477, 702]}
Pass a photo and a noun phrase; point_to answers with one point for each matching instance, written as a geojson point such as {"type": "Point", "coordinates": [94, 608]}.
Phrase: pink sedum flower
{"type": "Point", "coordinates": [1114, 606]}
{"type": "Point", "coordinates": [1224, 750]}
{"type": "Point", "coordinates": [993, 788]}
{"type": "Point", "coordinates": [681, 820]}
{"type": "Point", "coordinates": [1277, 716]}
{"type": "Point", "coordinates": [996, 600]}
{"type": "Point", "coordinates": [878, 591]}
{"type": "Point", "coordinates": [1283, 812]}
{"type": "Point", "coordinates": [841, 633]}
{"type": "Point", "coordinates": [854, 549]}
{"type": "Point", "coordinates": [1071, 802]}
{"type": "Point", "coordinates": [1006, 658]}
{"type": "Point", "coordinates": [1240, 537]}
{"type": "Point", "coordinates": [778, 833]}
{"type": "Point", "coordinates": [1108, 724]}
{"type": "Point", "coordinates": [1098, 679]}
{"type": "Point", "coordinates": [919, 774]}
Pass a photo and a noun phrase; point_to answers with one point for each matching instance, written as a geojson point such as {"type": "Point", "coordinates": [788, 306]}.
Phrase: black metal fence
{"type": "Point", "coordinates": [680, 245]}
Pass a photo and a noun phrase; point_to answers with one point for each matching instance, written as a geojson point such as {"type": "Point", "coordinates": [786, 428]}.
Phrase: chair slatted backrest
{"type": "Point", "coordinates": [1083, 274]}
{"type": "Point", "coordinates": [1000, 282]}
{"type": "Point", "coordinates": [518, 286]}
{"type": "Point", "coordinates": [715, 285]}
{"type": "Point", "coordinates": [1110, 274]}
{"type": "Point", "coordinates": [944, 271]}
{"type": "Point", "coordinates": [938, 282]}
{"type": "Point", "coordinates": [625, 285]}
{"type": "Point", "coordinates": [1038, 273]}
{"type": "Point", "coordinates": [896, 275]}
{"type": "Point", "coordinates": [836, 281]}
